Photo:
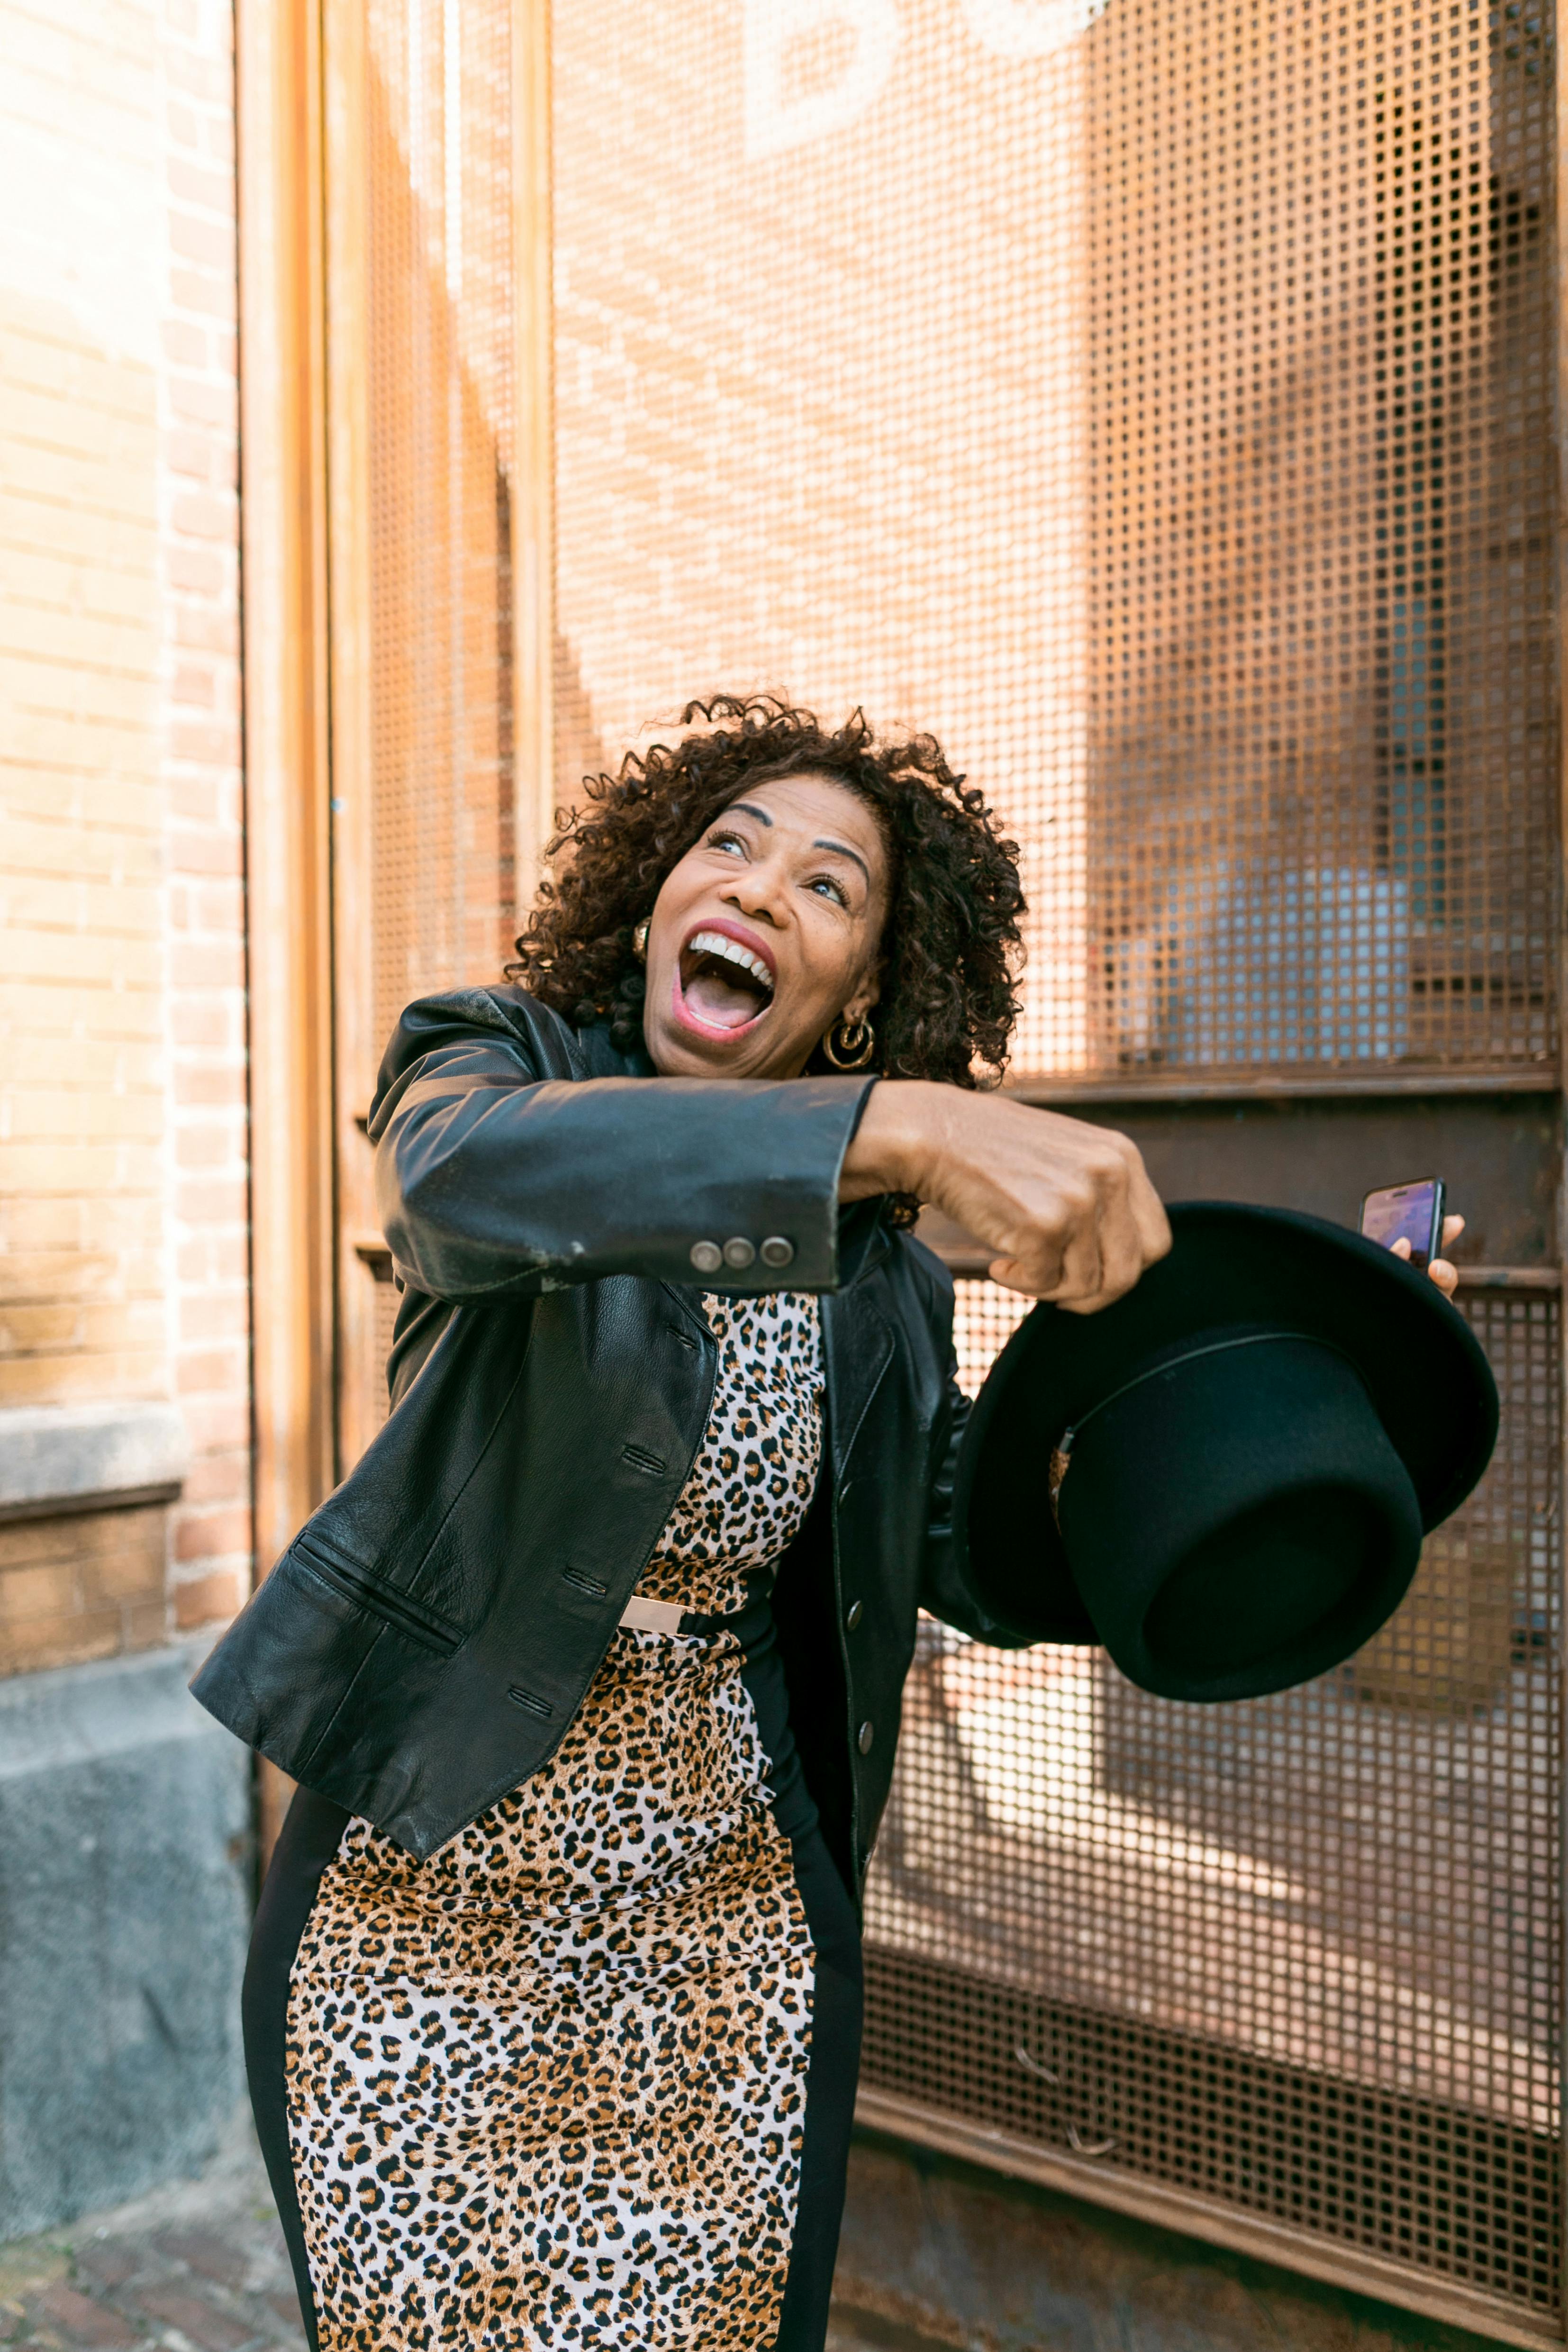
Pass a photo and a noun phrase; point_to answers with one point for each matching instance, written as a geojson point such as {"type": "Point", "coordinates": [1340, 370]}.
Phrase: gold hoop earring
{"type": "Point", "coordinates": [640, 940]}
{"type": "Point", "coordinates": [856, 1043]}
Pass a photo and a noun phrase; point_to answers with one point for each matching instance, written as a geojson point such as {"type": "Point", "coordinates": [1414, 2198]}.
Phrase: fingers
{"type": "Point", "coordinates": [1445, 1276]}
{"type": "Point", "coordinates": [1116, 1226]}
{"type": "Point", "coordinates": [1401, 1248]}
{"type": "Point", "coordinates": [1452, 1228]}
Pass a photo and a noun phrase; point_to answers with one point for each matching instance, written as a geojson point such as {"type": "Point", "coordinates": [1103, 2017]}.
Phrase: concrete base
{"type": "Point", "coordinates": [125, 1879]}
{"type": "Point", "coordinates": [938, 2253]}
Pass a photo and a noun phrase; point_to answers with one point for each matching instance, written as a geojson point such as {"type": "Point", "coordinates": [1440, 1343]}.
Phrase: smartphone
{"type": "Point", "coordinates": [1408, 1213]}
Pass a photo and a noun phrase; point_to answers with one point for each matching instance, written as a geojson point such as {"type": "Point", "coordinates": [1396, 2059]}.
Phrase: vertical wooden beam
{"type": "Point", "coordinates": [533, 463]}
{"type": "Point", "coordinates": [287, 872]}
{"type": "Point", "coordinates": [347, 198]}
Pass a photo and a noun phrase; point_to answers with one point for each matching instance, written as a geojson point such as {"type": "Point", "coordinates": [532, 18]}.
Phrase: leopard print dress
{"type": "Point", "coordinates": [548, 2088]}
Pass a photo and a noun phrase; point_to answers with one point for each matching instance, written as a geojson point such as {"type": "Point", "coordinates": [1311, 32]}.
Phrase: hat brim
{"type": "Point", "coordinates": [1230, 1265]}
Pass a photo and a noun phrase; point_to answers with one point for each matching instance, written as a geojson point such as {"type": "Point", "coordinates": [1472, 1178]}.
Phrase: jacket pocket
{"type": "Point", "coordinates": [347, 1581]}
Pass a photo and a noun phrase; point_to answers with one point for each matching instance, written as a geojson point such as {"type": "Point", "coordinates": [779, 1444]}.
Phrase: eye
{"type": "Point", "coordinates": [827, 887]}
{"type": "Point", "coordinates": [731, 842]}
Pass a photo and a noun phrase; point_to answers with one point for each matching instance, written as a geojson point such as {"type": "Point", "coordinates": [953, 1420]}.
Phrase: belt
{"type": "Point", "coordinates": [749, 1624]}
{"type": "Point", "coordinates": [641, 1615]}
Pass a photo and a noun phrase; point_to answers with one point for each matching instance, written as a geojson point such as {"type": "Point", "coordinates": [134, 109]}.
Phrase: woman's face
{"type": "Point", "coordinates": [766, 933]}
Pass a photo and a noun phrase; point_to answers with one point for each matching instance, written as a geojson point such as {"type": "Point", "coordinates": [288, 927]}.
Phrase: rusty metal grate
{"type": "Point", "coordinates": [1320, 821]}
{"type": "Point", "coordinates": [1300, 1956]}
{"type": "Point", "coordinates": [1175, 438]}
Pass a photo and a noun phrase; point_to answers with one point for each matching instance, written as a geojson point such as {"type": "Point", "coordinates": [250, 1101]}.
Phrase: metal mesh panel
{"type": "Point", "coordinates": [1320, 820]}
{"type": "Point", "coordinates": [1152, 398]}
{"type": "Point", "coordinates": [1301, 1955]}
{"type": "Point", "coordinates": [437, 122]}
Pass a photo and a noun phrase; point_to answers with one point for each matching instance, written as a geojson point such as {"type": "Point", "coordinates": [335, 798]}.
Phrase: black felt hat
{"type": "Point", "coordinates": [1257, 1437]}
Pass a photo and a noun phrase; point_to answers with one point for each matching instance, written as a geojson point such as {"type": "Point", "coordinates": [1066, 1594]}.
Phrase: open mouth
{"type": "Point", "coordinates": [722, 983]}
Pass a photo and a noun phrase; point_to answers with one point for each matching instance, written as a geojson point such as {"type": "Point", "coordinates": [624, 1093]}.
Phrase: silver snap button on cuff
{"type": "Point", "coordinates": [867, 1734]}
{"type": "Point", "coordinates": [707, 1257]}
{"type": "Point", "coordinates": [777, 1251]}
{"type": "Point", "coordinates": [740, 1252]}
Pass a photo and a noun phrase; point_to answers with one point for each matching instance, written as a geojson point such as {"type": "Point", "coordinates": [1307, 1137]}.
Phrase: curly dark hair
{"type": "Point", "coordinates": [950, 946]}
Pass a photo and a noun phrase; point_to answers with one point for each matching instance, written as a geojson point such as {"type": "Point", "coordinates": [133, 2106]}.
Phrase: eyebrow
{"type": "Point", "coordinates": [843, 850]}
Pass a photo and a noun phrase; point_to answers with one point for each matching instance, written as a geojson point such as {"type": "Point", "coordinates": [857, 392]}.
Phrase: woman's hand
{"type": "Point", "coordinates": [1445, 1276]}
{"type": "Point", "coordinates": [1068, 1208]}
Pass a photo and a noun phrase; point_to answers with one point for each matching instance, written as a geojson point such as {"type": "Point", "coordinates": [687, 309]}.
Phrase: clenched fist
{"type": "Point", "coordinates": [1067, 1208]}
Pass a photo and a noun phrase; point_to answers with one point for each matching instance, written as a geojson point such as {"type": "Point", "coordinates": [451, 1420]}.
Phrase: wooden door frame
{"type": "Point", "coordinates": [305, 417]}
{"type": "Point", "coordinates": [283, 548]}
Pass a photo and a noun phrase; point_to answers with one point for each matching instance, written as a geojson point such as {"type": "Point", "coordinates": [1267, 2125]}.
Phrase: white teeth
{"type": "Point", "coordinates": [718, 943]}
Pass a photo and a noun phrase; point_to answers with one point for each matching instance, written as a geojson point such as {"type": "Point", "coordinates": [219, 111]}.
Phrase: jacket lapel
{"type": "Point", "coordinates": [857, 1348]}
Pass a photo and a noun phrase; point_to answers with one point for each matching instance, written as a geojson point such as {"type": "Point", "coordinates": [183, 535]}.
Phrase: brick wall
{"type": "Point", "coordinates": [122, 1134]}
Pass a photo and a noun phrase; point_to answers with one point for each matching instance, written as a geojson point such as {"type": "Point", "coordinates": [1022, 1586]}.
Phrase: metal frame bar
{"type": "Point", "coordinates": [288, 854]}
{"type": "Point", "coordinates": [1200, 2217]}
{"type": "Point", "coordinates": [533, 431]}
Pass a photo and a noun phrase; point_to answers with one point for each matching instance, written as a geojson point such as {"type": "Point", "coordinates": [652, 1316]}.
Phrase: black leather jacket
{"type": "Point", "coordinates": [425, 1640]}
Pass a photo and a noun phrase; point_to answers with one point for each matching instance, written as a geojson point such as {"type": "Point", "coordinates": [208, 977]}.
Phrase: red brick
{"type": "Point", "coordinates": [211, 2329]}
{"type": "Point", "coordinates": [194, 686]}
{"type": "Point", "coordinates": [217, 1534]}
{"type": "Point", "coordinates": [217, 906]}
{"type": "Point", "coordinates": [202, 1021]}
{"type": "Point", "coordinates": [214, 1478]}
{"type": "Point", "coordinates": [194, 569]}
{"type": "Point", "coordinates": [185, 343]}
{"type": "Point", "coordinates": [204, 963]}
{"type": "Point", "coordinates": [201, 517]}
{"type": "Point", "coordinates": [209, 1261]}
{"type": "Point", "coordinates": [218, 1422]}
{"type": "Point", "coordinates": [189, 452]}
{"type": "Point", "coordinates": [203, 292]}
{"type": "Point", "coordinates": [212, 1315]}
{"type": "Point", "coordinates": [208, 1082]}
{"type": "Point", "coordinates": [206, 241]}
{"type": "Point", "coordinates": [212, 1200]}
{"type": "Point", "coordinates": [85, 2323]}
{"type": "Point", "coordinates": [196, 77]}
{"type": "Point", "coordinates": [202, 1146]}
{"type": "Point", "coordinates": [193, 184]}
{"type": "Point", "coordinates": [185, 124]}
{"type": "Point", "coordinates": [208, 1597]}
{"type": "Point", "coordinates": [205, 849]}
{"type": "Point", "coordinates": [211, 746]}
{"type": "Point", "coordinates": [212, 628]}
{"type": "Point", "coordinates": [209, 405]}
{"type": "Point", "coordinates": [204, 1370]}
{"type": "Point", "coordinates": [106, 2263]}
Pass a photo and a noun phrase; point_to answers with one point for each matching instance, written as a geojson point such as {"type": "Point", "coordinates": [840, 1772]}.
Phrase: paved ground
{"type": "Point", "coordinates": [199, 2267]}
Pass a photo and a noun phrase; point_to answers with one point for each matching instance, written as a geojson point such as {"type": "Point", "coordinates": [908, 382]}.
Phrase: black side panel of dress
{"type": "Point", "coordinates": [836, 2000]}
{"type": "Point", "coordinates": [806, 1616]}
{"type": "Point", "coordinates": [830, 2079]}
{"type": "Point", "coordinates": [311, 1834]}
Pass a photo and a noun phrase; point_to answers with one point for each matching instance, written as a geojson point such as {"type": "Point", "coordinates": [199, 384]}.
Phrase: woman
{"type": "Point", "coordinates": [591, 1672]}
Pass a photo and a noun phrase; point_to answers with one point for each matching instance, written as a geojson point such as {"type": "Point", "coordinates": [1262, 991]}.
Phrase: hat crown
{"type": "Point", "coordinates": [1298, 1535]}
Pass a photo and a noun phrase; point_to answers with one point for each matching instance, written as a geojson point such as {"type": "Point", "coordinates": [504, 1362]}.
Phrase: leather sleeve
{"type": "Point", "coordinates": [503, 1169]}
